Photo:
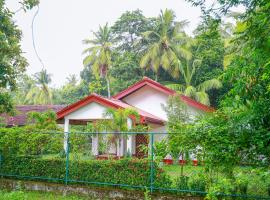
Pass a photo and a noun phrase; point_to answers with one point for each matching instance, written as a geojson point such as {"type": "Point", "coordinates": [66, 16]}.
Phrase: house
{"type": "Point", "coordinates": [146, 96]}
{"type": "Point", "coordinates": [20, 117]}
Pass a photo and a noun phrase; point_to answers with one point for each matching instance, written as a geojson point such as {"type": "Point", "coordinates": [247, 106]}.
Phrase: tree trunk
{"type": "Point", "coordinates": [108, 86]}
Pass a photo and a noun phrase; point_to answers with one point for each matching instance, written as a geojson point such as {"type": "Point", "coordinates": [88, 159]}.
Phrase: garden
{"type": "Point", "coordinates": [220, 151]}
{"type": "Point", "coordinates": [34, 153]}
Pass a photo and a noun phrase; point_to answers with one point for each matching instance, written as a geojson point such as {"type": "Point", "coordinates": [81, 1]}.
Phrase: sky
{"type": "Point", "coordinates": [61, 25]}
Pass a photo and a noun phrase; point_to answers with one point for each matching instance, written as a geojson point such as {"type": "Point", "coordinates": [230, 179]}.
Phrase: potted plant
{"type": "Point", "coordinates": [168, 160]}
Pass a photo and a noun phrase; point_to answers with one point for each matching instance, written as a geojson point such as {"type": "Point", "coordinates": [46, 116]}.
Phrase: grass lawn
{"type": "Point", "coordinates": [31, 195]}
{"type": "Point", "coordinates": [175, 170]}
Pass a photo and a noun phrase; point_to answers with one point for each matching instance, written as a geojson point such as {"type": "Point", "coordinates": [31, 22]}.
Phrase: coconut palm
{"type": "Point", "coordinates": [99, 53]}
{"type": "Point", "coordinates": [199, 92]}
{"type": "Point", "coordinates": [163, 41]}
{"type": "Point", "coordinates": [117, 122]}
{"type": "Point", "coordinates": [40, 93]}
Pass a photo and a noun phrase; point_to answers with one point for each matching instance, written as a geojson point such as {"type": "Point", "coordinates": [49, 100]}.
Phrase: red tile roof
{"type": "Point", "coordinates": [21, 113]}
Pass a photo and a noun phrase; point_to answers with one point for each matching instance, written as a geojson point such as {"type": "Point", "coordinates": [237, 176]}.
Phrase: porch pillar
{"type": "Point", "coordinates": [66, 131]}
{"type": "Point", "coordinates": [130, 138]}
{"type": "Point", "coordinates": [95, 145]}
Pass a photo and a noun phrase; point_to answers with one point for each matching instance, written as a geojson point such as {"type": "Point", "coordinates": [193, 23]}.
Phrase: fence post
{"type": "Point", "coordinates": [67, 158]}
{"type": "Point", "coordinates": [152, 163]}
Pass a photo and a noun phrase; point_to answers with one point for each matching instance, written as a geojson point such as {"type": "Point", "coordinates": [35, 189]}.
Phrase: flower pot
{"type": "Point", "coordinates": [195, 162]}
{"type": "Point", "coordinates": [168, 161]}
{"type": "Point", "coordinates": [182, 162]}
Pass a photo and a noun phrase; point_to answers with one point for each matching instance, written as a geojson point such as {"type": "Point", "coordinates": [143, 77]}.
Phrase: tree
{"type": "Point", "coordinates": [40, 93]}
{"type": "Point", "coordinates": [12, 63]}
{"type": "Point", "coordinates": [128, 31]}
{"type": "Point", "coordinates": [209, 48]}
{"type": "Point", "coordinates": [242, 122]}
{"type": "Point", "coordinates": [163, 41]}
{"type": "Point", "coordinates": [99, 54]}
{"type": "Point", "coordinates": [178, 125]}
{"type": "Point", "coordinates": [199, 93]}
{"type": "Point", "coordinates": [124, 65]}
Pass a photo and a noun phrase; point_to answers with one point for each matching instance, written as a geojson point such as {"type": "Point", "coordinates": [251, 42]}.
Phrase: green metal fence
{"type": "Point", "coordinates": [41, 156]}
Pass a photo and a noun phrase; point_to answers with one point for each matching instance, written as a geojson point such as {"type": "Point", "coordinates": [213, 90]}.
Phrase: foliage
{"type": "Point", "coordinates": [210, 48]}
{"type": "Point", "coordinates": [128, 31]}
{"type": "Point", "coordinates": [124, 171]}
{"type": "Point", "coordinates": [182, 183]}
{"type": "Point", "coordinates": [31, 195]}
{"type": "Point", "coordinates": [164, 42]}
{"type": "Point", "coordinates": [178, 118]}
{"type": "Point", "coordinates": [160, 149]}
{"type": "Point", "coordinates": [188, 69]}
{"type": "Point", "coordinates": [198, 182]}
{"type": "Point", "coordinates": [12, 63]}
{"type": "Point", "coordinates": [43, 120]}
{"type": "Point", "coordinates": [117, 120]}
{"type": "Point", "coordinates": [40, 93]}
{"type": "Point", "coordinates": [99, 54]}
{"type": "Point", "coordinates": [6, 103]}
{"type": "Point", "coordinates": [124, 65]}
{"type": "Point", "coordinates": [32, 141]}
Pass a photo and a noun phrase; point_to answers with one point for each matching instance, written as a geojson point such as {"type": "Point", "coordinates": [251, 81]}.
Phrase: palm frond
{"type": "Point", "coordinates": [190, 91]}
{"type": "Point", "coordinates": [210, 84]}
{"type": "Point", "coordinates": [202, 97]}
{"type": "Point", "coordinates": [176, 87]}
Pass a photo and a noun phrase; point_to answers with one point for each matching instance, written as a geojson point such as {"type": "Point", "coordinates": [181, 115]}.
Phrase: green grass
{"type": "Point", "coordinates": [30, 195]}
{"type": "Point", "coordinates": [175, 170]}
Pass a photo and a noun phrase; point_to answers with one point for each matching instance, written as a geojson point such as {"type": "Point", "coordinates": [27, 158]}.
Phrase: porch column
{"type": "Point", "coordinates": [95, 145]}
{"type": "Point", "coordinates": [66, 131]}
{"type": "Point", "coordinates": [130, 138]}
{"type": "Point", "coordinates": [121, 146]}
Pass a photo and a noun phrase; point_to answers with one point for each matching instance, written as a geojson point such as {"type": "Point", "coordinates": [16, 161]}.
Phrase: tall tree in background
{"type": "Point", "coordinates": [188, 70]}
{"type": "Point", "coordinates": [166, 37]}
{"type": "Point", "coordinates": [209, 48]}
{"type": "Point", "coordinates": [99, 54]}
{"type": "Point", "coordinates": [40, 93]}
{"type": "Point", "coordinates": [128, 31]}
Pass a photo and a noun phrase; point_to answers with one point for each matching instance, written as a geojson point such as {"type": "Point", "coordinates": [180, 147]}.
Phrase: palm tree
{"type": "Point", "coordinates": [117, 123]}
{"type": "Point", "coordinates": [199, 92]}
{"type": "Point", "coordinates": [72, 79]}
{"type": "Point", "coordinates": [40, 93]}
{"type": "Point", "coordinates": [166, 38]}
{"type": "Point", "coordinates": [99, 53]}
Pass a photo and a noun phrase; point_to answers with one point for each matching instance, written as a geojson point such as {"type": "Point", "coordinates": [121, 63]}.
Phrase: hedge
{"type": "Point", "coordinates": [134, 172]}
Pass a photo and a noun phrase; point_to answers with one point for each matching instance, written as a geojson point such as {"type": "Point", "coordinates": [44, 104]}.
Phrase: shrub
{"type": "Point", "coordinates": [124, 171]}
{"type": "Point", "coordinates": [242, 183]}
{"type": "Point", "coordinates": [29, 141]}
{"type": "Point", "coordinates": [182, 183]}
{"type": "Point", "coordinates": [198, 183]}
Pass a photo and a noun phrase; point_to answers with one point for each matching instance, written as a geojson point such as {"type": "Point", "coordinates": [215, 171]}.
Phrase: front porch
{"type": "Point", "coordinates": [93, 109]}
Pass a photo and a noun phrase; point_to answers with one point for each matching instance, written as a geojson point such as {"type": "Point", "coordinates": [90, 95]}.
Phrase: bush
{"type": "Point", "coordinates": [29, 141]}
{"type": "Point", "coordinates": [198, 183]}
{"type": "Point", "coordinates": [124, 171]}
{"type": "Point", "coordinates": [182, 183]}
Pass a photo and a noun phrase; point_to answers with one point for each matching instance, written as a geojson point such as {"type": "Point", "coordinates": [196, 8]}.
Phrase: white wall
{"type": "Point", "coordinates": [149, 100]}
{"type": "Point", "coordinates": [90, 111]}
